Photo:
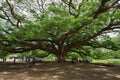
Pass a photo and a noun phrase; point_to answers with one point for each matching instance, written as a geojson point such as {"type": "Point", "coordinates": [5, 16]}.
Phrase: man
{"type": "Point", "coordinates": [31, 62]}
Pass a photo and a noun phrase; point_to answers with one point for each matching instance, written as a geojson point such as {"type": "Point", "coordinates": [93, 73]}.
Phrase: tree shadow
{"type": "Point", "coordinates": [59, 71]}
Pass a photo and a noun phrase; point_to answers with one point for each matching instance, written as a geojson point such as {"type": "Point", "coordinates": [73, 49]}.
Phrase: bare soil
{"type": "Point", "coordinates": [58, 71]}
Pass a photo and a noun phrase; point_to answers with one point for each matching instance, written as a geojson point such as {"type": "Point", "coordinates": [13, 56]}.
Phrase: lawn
{"type": "Point", "coordinates": [107, 61]}
{"type": "Point", "coordinates": [58, 71]}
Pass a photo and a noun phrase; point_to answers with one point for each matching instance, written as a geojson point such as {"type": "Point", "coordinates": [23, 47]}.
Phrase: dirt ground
{"type": "Point", "coordinates": [58, 71]}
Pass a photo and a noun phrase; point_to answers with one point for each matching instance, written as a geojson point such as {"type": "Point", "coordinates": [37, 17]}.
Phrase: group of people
{"type": "Point", "coordinates": [74, 60]}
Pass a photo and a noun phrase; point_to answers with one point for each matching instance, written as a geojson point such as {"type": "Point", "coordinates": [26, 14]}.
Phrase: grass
{"type": "Point", "coordinates": [108, 61]}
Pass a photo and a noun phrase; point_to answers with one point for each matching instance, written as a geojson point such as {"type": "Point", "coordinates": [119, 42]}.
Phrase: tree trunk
{"type": "Point", "coordinates": [4, 60]}
{"type": "Point", "coordinates": [61, 57]}
{"type": "Point", "coordinates": [14, 61]}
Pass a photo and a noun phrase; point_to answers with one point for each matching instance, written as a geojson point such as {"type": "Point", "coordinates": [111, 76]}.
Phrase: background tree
{"type": "Point", "coordinates": [58, 26]}
{"type": "Point", "coordinates": [3, 55]}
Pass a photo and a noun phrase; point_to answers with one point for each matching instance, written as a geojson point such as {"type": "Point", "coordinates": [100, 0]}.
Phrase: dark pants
{"type": "Point", "coordinates": [32, 64]}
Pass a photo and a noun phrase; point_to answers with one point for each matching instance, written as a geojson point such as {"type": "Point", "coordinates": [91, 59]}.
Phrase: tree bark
{"type": "Point", "coordinates": [14, 61]}
{"type": "Point", "coordinates": [4, 60]}
{"type": "Point", "coordinates": [61, 57]}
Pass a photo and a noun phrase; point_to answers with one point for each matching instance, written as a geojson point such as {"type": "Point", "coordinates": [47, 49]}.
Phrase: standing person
{"type": "Point", "coordinates": [31, 62]}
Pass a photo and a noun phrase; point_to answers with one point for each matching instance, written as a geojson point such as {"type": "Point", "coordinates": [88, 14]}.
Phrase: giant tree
{"type": "Point", "coordinates": [57, 26]}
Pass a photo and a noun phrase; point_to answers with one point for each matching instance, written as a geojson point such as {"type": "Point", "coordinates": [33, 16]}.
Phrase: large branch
{"type": "Point", "coordinates": [110, 47]}
{"type": "Point", "coordinates": [13, 13]}
{"type": "Point", "coordinates": [8, 18]}
{"type": "Point", "coordinates": [27, 45]}
{"type": "Point", "coordinates": [71, 33]}
{"type": "Point", "coordinates": [103, 8]}
{"type": "Point", "coordinates": [86, 40]}
{"type": "Point", "coordinates": [82, 54]}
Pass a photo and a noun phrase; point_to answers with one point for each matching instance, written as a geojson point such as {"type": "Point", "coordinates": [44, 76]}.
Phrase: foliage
{"type": "Point", "coordinates": [3, 54]}
{"type": "Point", "coordinates": [73, 55]}
{"type": "Point", "coordinates": [51, 57]}
{"type": "Point", "coordinates": [36, 53]}
{"type": "Point", "coordinates": [59, 27]}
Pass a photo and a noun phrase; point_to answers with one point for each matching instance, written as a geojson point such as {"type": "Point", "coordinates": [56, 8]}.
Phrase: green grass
{"type": "Point", "coordinates": [108, 61]}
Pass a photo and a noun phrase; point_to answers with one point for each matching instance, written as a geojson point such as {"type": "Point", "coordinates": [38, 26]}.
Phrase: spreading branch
{"type": "Point", "coordinates": [8, 18]}
{"type": "Point", "coordinates": [86, 40]}
{"type": "Point", "coordinates": [13, 13]}
{"type": "Point", "coordinates": [71, 7]}
{"type": "Point", "coordinates": [28, 45]}
{"type": "Point", "coordinates": [103, 8]}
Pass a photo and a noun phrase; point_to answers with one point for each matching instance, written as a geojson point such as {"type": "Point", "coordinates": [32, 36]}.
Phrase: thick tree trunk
{"type": "Point", "coordinates": [61, 57]}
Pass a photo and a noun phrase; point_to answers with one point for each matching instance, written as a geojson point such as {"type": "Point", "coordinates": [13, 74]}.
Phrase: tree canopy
{"type": "Point", "coordinates": [59, 26]}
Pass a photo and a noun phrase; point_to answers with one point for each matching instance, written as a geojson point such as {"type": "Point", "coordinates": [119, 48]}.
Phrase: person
{"type": "Point", "coordinates": [31, 62]}
{"type": "Point", "coordinates": [74, 60]}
